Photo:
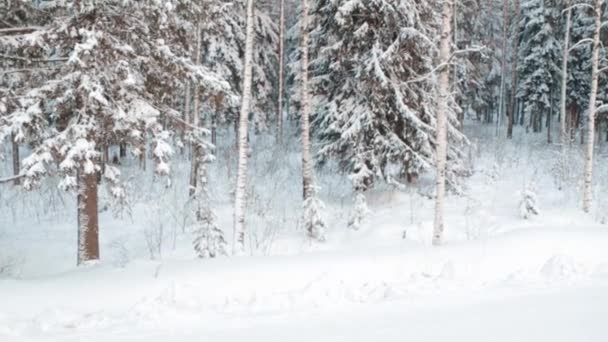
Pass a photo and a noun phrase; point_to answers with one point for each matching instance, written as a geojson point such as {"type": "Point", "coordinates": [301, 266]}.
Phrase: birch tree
{"type": "Point", "coordinates": [238, 240]}
{"type": "Point", "coordinates": [313, 221]}
{"type": "Point", "coordinates": [442, 107]}
{"type": "Point", "coordinates": [562, 112]}
{"type": "Point", "coordinates": [591, 112]}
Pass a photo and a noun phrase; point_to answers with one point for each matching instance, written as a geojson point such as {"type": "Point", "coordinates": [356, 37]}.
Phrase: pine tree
{"type": "Point", "coordinates": [209, 241]}
{"type": "Point", "coordinates": [528, 206]}
{"type": "Point", "coordinates": [373, 76]}
{"type": "Point", "coordinates": [108, 86]}
{"type": "Point", "coordinates": [539, 55]}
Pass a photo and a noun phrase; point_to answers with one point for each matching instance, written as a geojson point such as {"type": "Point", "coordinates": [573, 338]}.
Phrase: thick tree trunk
{"type": "Point", "coordinates": [16, 159]}
{"type": "Point", "coordinates": [88, 224]}
{"type": "Point", "coordinates": [441, 148]}
{"type": "Point", "coordinates": [238, 242]}
{"type": "Point", "coordinates": [281, 71]}
{"type": "Point", "coordinates": [307, 176]}
{"type": "Point", "coordinates": [512, 103]}
{"type": "Point", "coordinates": [588, 183]}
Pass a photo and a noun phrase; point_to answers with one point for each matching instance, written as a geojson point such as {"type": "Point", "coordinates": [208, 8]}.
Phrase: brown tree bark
{"type": "Point", "coordinates": [88, 223]}
{"type": "Point", "coordinates": [16, 159]}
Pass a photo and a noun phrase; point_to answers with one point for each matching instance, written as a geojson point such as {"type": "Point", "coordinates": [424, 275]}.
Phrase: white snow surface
{"type": "Point", "coordinates": [498, 278]}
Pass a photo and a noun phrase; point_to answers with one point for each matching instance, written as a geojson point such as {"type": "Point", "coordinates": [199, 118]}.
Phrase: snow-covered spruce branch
{"type": "Point", "coordinates": [442, 65]}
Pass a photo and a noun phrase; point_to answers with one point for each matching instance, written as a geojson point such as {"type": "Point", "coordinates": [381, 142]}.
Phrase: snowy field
{"type": "Point", "coordinates": [498, 278]}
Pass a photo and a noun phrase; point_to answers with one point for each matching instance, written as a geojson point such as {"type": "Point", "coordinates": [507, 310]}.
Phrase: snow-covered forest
{"type": "Point", "coordinates": [303, 170]}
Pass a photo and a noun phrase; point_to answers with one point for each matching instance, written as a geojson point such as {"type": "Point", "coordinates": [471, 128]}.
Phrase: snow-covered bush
{"type": "Point", "coordinates": [313, 220]}
{"type": "Point", "coordinates": [528, 206]}
{"type": "Point", "coordinates": [359, 213]}
{"type": "Point", "coordinates": [209, 240]}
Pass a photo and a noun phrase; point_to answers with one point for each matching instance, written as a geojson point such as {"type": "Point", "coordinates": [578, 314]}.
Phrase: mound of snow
{"type": "Point", "coordinates": [562, 267]}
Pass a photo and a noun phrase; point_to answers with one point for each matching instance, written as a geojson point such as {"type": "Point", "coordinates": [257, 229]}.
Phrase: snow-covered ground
{"type": "Point", "coordinates": [499, 277]}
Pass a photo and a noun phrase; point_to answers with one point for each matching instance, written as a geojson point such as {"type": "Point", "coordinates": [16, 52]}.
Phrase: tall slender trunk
{"type": "Point", "coordinates": [16, 159]}
{"type": "Point", "coordinates": [142, 156]}
{"type": "Point", "coordinates": [588, 184]}
{"type": "Point", "coordinates": [307, 176]}
{"type": "Point", "coordinates": [455, 79]}
{"type": "Point", "coordinates": [238, 242]}
{"type": "Point", "coordinates": [213, 131]}
{"type": "Point", "coordinates": [194, 118]}
{"type": "Point", "coordinates": [549, 117]}
{"type": "Point", "coordinates": [562, 102]}
{"type": "Point", "coordinates": [513, 103]}
{"type": "Point", "coordinates": [441, 149]}
{"type": "Point", "coordinates": [503, 68]}
{"type": "Point", "coordinates": [88, 223]}
{"type": "Point", "coordinates": [186, 114]}
{"type": "Point", "coordinates": [122, 150]}
{"type": "Point", "coordinates": [281, 71]}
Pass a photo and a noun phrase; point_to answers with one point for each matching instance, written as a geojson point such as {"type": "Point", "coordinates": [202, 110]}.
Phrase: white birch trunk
{"type": "Point", "coordinates": [281, 71]}
{"type": "Point", "coordinates": [307, 176]}
{"type": "Point", "coordinates": [238, 240]}
{"type": "Point", "coordinates": [442, 108]}
{"type": "Point", "coordinates": [588, 185]}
